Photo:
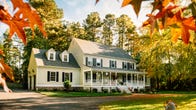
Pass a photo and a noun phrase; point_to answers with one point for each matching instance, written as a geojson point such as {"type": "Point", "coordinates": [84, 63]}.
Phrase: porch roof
{"type": "Point", "coordinates": [115, 70]}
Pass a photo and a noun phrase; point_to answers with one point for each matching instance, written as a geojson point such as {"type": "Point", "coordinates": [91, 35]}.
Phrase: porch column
{"type": "Point", "coordinates": [126, 80]}
{"type": "Point", "coordinates": [110, 78]}
{"type": "Point", "coordinates": [144, 80]}
{"type": "Point", "coordinates": [102, 78]}
{"type": "Point", "coordinates": [131, 79]}
{"type": "Point", "coordinates": [137, 80]}
{"type": "Point", "coordinates": [91, 78]}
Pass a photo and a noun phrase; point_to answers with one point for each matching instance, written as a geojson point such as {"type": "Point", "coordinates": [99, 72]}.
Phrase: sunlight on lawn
{"type": "Point", "coordinates": [184, 102]}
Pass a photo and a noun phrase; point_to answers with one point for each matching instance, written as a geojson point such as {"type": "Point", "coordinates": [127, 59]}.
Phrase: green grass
{"type": "Point", "coordinates": [184, 101]}
{"type": "Point", "coordinates": [76, 94]}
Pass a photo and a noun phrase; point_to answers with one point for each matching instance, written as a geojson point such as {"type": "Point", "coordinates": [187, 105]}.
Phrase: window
{"type": "Point", "coordinates": [66, 76]}
{"type": "Point", "coordinates": [112, 64]}
{"type": "Point", "coordinates": [65, 58]}
{"type": "Point", "coordinates": [51, 57]}
{"type": "Point", "coordinates": [124, 65]}
{"type": "Point", "coordinates": [99, 63]}
{"type": "Point", "coordinates": [53, 76]}
{"type": "Point", "coordinates": [89, 61]}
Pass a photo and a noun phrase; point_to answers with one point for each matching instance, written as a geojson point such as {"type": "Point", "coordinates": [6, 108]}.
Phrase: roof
{"type": "Point", "coordinates": [41, 59]}
{"type": "Point", "coordinates": [97, 49]}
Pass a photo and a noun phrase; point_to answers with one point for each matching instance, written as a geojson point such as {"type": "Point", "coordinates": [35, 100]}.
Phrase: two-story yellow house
{"type": "Point", "coordinates": [87, 65]}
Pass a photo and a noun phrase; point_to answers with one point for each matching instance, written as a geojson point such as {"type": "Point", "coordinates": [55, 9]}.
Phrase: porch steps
{"type": "Point", "coordinates": [124, 89]}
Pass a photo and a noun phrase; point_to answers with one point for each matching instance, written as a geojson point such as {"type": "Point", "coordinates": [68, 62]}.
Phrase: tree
{"type": "Point", "coordinates": [108, 25]}
{"type": "Point", "coordinates": [52, 18]}
{"type": "Point", "coordinates": [125, 29]}
{"type": "Point", "coordinates": [171, 13]}
{"type": "Point", "coordinates": [91, 23]}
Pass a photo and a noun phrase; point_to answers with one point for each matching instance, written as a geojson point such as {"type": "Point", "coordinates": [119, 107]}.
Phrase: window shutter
{"type": "Point", "coordinates": [101, 63]}
{"type": "Point", "coordinates": [115, 64]}
{"type": "Point", "coordinates": [86, 61]}
{"type": "Point", "coordinates": [128, 66]}
{"type": "Point", "coordinates": [57, 76]}
{"type": "Point", "coordinates": [71, 77]}
{"type": "Point", "coordinates": [63, 77]}
{"type": "Point", "coordinates": [48, 76]}
{"type": "Point", "coordinates": [94, 61]}
{"type": "Point", "coordinates": [123, 65]}
{"type": "Point", "coordinates": [110, 64]}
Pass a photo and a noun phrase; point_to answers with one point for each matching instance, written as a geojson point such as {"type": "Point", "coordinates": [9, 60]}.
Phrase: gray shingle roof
{"type": "Point", "coordinates": [97, 49]}
{"type": "Point", "coordinates": [41, 59]}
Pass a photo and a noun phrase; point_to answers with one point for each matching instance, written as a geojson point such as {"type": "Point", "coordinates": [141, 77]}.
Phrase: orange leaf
{"type": "Point", "coordinates": [28, 13]}
{"type": "Point", "coordinates": [15, 25]}
{"type": "Point", "coordinates": [176, 32]}
{"type": "Point", "coordinates": [136, 4]}
{"type": "Point", "coordinates": [4, 68]}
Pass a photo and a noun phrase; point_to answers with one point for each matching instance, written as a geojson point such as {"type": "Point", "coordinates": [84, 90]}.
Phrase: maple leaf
{"type": "Point", "coordinates": [29, 13]}
{"type": "Point", "coordinates": [4, 68]}
{"type": "Point", "coordinates": [152, 21]}
{"type": "Point", "coordinates": [15, 24]}
{"type": "Point", "coordinates": [136, 4]}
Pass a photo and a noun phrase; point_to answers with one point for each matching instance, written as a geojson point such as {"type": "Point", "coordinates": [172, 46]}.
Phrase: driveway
{"type": "Point", "coordinates": [28, 100]}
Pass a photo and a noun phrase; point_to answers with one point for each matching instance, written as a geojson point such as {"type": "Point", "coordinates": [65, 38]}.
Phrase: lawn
{"type": "Point", "coordinates": [76, 94]}
{"type": "Point", "coordinates": [184, 101]}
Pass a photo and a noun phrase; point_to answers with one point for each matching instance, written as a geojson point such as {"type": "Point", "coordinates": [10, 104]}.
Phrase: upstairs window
{"type": "Point", "coordinates": [99, 63]}
{"type": "Point", "coordinates": [51, 56]}
{"type": "Point", "coordinates": [124, 65]}
{"type": "Point", "coordinates": [112, 64]}
{"type": "Point", "coordinates": [65, 58]}
{"type": "Point", "coordinates": [89, 61]}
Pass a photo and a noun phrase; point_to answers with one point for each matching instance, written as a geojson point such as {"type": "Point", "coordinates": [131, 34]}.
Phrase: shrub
{"type": "Point", "coordinates": [67, 85]}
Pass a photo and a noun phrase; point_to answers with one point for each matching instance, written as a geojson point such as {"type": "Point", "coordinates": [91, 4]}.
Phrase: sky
{"type": "Point", "coordinates": [77, 10]}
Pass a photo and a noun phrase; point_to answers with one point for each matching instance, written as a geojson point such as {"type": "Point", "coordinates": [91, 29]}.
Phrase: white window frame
{"type": "Point", "coordinates": [53, 76]}
{"type": "Point", "coordinates": [98, 62]}
{"type": "Point", "coordinates": [67, 58]}
{"type": "Point", "coordinates": [52, 56]}
{"type": "Point", "coordinates": [113, 63]}
{"type": "Point", "coordinates": [90, 61]}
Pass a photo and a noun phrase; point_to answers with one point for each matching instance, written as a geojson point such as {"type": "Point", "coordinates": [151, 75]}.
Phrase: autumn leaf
{"type": "Point", "coordinates": [16, 25]}
{"type": "Point", "coordinates": [136, 4]}
{"type": "Point", "coordinates": [4, 68]}
{"type": "Point", "coordinates": [29, 13]}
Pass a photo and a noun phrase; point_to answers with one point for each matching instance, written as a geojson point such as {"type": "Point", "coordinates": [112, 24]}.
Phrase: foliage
{"type": "Point", "coordinates": [91, 25]}
{"type": "Point", "coordinates": [67, 85]}
{"type": "Point", "coordinates": [24, 16]}
{"type": "Point", "coordinates": [171, 14]}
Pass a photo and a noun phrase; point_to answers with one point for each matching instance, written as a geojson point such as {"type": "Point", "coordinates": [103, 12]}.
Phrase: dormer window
{"type": "Point", "coordinates": [65, 58]}
{"type": "Point", "coordinates": [51, 56]}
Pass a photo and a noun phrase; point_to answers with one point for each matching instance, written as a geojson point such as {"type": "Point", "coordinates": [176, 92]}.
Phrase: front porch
{"type": "Point", "coordinates": [112, 79]}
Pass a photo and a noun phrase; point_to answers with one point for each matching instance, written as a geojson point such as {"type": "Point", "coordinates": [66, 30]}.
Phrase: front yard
{"type": "Point", "coordinates": [139, 101]}
{"type": "Point", "coordinates": [184, 101]}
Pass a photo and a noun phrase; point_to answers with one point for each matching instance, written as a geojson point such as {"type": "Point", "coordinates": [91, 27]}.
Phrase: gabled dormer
{"type": "Point", "coordinates": [64, 56]}
{"type": "Point", "coordinates": [51, 54]}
